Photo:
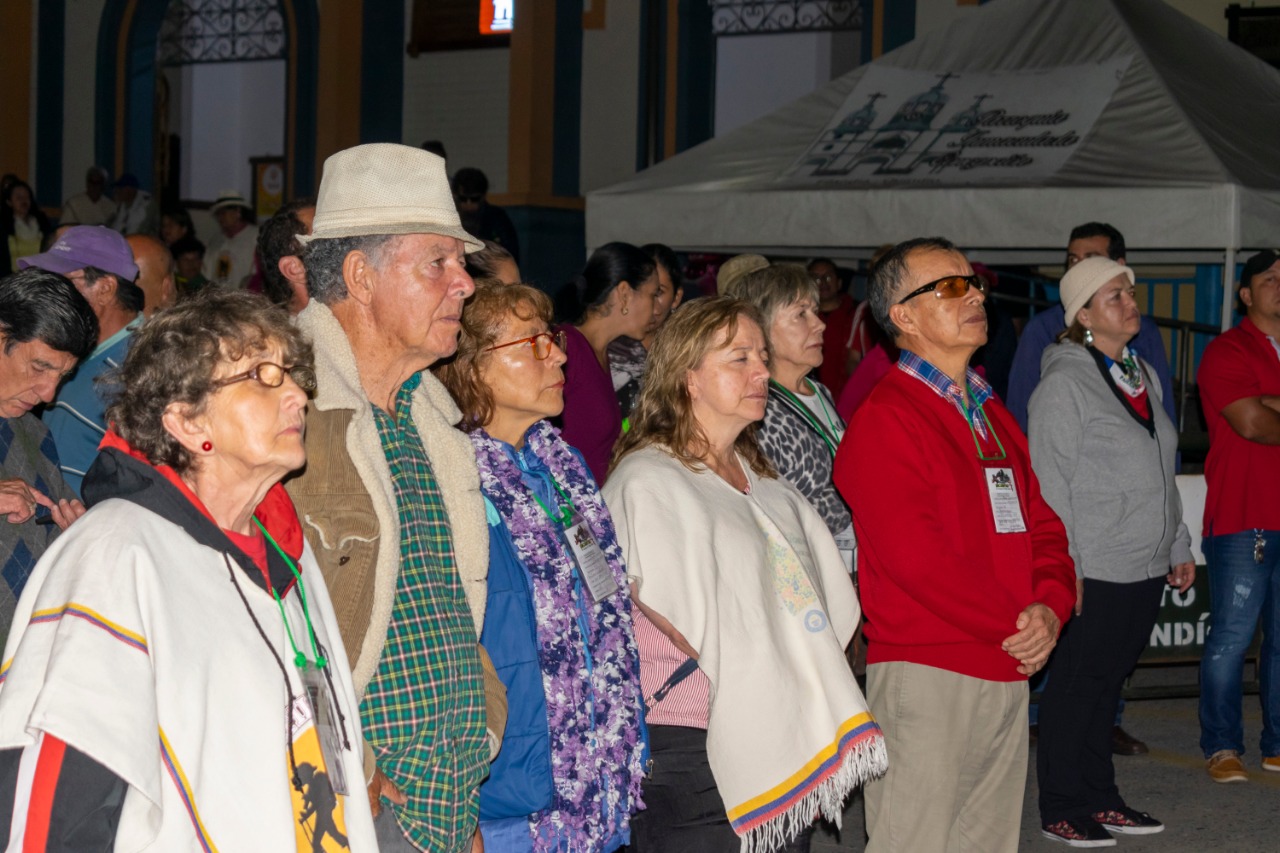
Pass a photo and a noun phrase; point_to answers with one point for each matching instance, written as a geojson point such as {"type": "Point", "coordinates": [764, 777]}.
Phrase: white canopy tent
{"type": "Point", "coordinates": [1124, 111]}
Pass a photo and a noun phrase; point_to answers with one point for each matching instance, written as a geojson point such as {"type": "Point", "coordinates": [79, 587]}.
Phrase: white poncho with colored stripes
{"type": "Point", "coordinates": [756, 584]}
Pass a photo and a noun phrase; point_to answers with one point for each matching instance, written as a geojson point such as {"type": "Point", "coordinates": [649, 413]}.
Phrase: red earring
{"type": "Point", "coordinates": [207, 446]}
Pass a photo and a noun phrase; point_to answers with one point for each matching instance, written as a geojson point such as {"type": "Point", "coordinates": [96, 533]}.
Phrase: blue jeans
{"type": "Point", "coordinates": [1241, 590]}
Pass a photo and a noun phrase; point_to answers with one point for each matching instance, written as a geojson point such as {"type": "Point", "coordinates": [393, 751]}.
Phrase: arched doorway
{"type": "Point", "coordinates": [133, 56]}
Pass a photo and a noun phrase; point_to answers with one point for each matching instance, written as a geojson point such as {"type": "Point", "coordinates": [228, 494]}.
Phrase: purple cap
{"type": "Point", "coordinates": [87, 246]}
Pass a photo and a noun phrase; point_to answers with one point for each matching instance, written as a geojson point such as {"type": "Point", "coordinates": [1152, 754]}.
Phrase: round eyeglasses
{"type": "Point", "coordinates": [541, 343]}
{"type": "Point", "coordinates": [950, 287]}
{"type": "Point", "coordinates": [271, 375]}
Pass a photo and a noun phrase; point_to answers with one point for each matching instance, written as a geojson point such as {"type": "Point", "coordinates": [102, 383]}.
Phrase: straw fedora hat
{"type": "Point", "coordinates": [383, 188]}
{"type": "Point", "coordinates": [735, 269]}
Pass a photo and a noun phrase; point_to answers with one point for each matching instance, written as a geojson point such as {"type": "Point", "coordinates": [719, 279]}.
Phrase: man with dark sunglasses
{"type": "Point", "coordinates": [962, 566]}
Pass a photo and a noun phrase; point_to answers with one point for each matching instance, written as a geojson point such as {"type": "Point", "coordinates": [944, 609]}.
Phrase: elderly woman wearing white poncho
{"type": "Point", "coordinates": [175, 679]}
{"type": "Point", "coordinates": [756, 723]}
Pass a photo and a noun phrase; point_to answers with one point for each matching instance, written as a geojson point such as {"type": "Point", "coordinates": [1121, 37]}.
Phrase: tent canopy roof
{"type": "Point", "coordinates": [1182, 155]}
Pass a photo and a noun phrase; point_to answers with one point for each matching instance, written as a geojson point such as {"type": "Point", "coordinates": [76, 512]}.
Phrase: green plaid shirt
{"type": "Point", "coordinates": [424, 710]}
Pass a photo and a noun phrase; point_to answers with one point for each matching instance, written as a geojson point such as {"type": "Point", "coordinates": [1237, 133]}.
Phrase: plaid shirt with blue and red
{"type": "Point", "coordinates": [946, 388]}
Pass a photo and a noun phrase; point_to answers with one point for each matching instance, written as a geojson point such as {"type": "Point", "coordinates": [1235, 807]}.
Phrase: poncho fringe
{"type": "Point", "coordinates": [776, 817]}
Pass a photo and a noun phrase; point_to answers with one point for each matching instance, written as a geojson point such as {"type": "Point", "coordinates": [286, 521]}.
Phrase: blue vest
{"type": "Point", "coordinates": [519, 780]}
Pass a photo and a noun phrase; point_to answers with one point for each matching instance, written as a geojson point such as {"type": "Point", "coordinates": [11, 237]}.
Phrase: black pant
{"type": "Point", "coordinates": [683, 810]}
{"type": "Point", "coordinates": [1095, 654]}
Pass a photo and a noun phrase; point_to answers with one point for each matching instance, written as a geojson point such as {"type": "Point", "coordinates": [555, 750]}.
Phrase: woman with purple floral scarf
{"type": "Point", "coordinates": [558, 624]}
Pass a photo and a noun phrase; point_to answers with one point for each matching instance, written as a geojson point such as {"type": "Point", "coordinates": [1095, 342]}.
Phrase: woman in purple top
{"type": "Point", "coordinates": [614, 296]}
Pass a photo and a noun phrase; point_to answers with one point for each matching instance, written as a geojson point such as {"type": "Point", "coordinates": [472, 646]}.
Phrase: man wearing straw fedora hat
{"type": "Point", "coordinates": [390, 497]}
{"type": "Point", "coordinates": [230, 258]}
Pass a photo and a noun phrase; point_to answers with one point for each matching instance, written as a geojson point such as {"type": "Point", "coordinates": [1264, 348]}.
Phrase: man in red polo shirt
{"type": "Point", "coordinates": [963, 568]}
{"type": "Point", "coordinates": [1239, 384]}
{"type": "Point", "coordinates": [836, 308]}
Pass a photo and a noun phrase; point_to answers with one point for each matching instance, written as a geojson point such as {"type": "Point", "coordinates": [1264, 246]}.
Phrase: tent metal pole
{"type": "Point", "coordinates": [1228, 287]}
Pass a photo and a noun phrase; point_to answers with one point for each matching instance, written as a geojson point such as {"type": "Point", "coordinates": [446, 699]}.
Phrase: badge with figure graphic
{"type": "Point", "coordinates": [593, 568]}
{"type": "Point", "coordinates": [319, 820]}
{"type": "Point", "coordinates": [1005, 508]}
{"type": "Point", "coordinates": [326, 723]}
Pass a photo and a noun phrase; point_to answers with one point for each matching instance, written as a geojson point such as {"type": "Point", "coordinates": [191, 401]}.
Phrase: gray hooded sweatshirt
{"type": "Point", "coordinates": [1108, 477]}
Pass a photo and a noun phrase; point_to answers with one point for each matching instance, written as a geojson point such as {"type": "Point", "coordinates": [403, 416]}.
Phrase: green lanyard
{"type": "Point", "coordinates": [567, 509]}
{"type": "Point", "coordinates": [299, 659]}
{"type": "Point", "coordinates": [982, 457]}
{"type": "Point", "coordinates": [828, 436]}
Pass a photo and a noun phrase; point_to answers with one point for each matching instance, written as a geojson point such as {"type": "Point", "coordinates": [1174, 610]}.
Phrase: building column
{"type": "Point", "coordinates": [544, 127]}
{"type": "Point", "coordinates": [338, 79]}
{"type": "Point", "coordinates": [888, 24]}
{"type": "Point", "coordinates": [15, 71]}
{"type": "Point", "coordinates": [678, 86]}
{"type": "Point", "coordinates": [382, 73]}
{"type": "Point", "coordinates": [50, 79]}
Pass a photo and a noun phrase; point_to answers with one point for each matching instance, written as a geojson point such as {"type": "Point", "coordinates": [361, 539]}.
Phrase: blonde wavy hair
{"type": "Point", "coordinates": [663, 414]}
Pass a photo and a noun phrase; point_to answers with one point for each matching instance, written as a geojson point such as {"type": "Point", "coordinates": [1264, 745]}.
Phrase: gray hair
{"type": "Point", "coordinates": [775, 287]}
{"type": "Point", "coordinates": [892, 272]}
{"type": "Point", "coordinates": [174, 356]}
{"type": "Point", "coordinates": [323, 260]}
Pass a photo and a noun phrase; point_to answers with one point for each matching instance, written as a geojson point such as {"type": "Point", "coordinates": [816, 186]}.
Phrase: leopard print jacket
{"type": "Point", "coordinates": [802, 457]}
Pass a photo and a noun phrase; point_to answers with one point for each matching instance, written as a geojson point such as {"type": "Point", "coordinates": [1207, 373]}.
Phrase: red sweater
{"type": "Point", "coordinates": [939, 586]}
{"type": "Point", "coordinates": [834, 371]}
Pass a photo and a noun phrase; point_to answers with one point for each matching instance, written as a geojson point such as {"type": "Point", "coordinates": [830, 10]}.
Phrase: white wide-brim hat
{"type": "Point", "coordinates": [229, 198]}
{"type": "Point", "coordinates": [384, 188]}
{"type": "Point", "coordinates": [1085, 279]}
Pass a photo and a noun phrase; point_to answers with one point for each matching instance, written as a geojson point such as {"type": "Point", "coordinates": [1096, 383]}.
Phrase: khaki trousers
{"type": "Point", "coordinates": [957, 761]}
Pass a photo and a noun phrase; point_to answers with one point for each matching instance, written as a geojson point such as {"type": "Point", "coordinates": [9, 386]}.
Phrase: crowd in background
{"type": "Point", "coordinates": [605, 569]}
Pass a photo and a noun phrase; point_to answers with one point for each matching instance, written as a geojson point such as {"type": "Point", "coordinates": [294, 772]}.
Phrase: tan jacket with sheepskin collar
{"type": "Point", "coordinates": [347, 503]}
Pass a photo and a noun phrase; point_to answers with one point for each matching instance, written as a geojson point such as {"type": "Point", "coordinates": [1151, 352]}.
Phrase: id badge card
{"type": "Point", "coordinates": [324, 714]}
{"type": "Point", "coordinates": [848, 547]}
{"type": "Point", "coordinates": [593, 568]}
{"type": "Point", "coordinates": [1002, 490]}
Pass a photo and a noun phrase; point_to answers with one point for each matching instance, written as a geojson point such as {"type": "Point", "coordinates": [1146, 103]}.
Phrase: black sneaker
{"type": "Point", "coordinates": [1080, 832]}
{"type": "Point", "coordinates": [1126, 821]}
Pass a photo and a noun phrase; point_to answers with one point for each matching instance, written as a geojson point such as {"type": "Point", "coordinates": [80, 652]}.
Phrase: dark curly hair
{"type": "Point", "coordinates": [278, 238]}
{"type": "Point", "coordinates": [175, 355]}
{"type": "Point", "coordinates": [483, 316]}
